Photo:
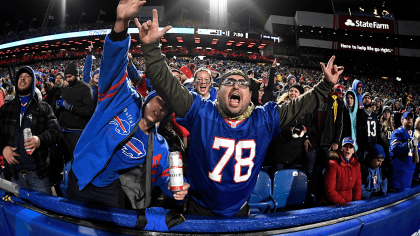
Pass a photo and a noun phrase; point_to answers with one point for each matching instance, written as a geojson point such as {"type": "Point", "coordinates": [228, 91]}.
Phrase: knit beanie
{"type": "Point", "coordinates": [291, 77]}
{"type": "Point", "coordinates": [95, 72]}
{"type": "Point", "coordinates": [186, 71]}
{"type": "Point", "coordinates": [149, 97]}
{"type": "Point", "coordinates": [298, 87]}
{"type": "Point", "coordinates": [366, 94]}
{"type": "Point", "coordinates": [72, 69]}
{"type": "Point", "coordinates": [233, 72]}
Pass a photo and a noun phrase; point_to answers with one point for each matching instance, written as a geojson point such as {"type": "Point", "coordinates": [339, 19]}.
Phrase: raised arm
{"type": "Point", "coordinates": [88, 65]}
{"type": "Point", "coordinates": [113, 81]}
{"type": "Point", "coordinates": [162, 79]}
{"type": "Point", "coordinates": [311, 100]}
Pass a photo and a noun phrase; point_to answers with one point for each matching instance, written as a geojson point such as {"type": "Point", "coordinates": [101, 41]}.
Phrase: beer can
{"type": "Point", "coordinates": [176, 175]}
{"type": "Point", "coordinates": [27, 133]}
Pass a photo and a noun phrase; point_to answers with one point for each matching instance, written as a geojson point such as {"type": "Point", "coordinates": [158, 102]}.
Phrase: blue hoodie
{"type": "Point", "coordinates": [117, 113]}
{"type": "Point", "coordinates": [353, 116]}
{"type": "Point", "coordinates": [212, 91]}
{"type": "Point", "coordinates": [354, 88]}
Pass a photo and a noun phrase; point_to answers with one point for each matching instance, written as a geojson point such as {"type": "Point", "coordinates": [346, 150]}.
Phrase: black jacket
{"type": "Point", "coordinates": [43, 124]}
{"type": "Point", "coordinates": [51, 99]}
{"type": "Point", "coordinates": [286, 148]}
{"type": "Point", "coordinates": [80, 96]}
{"type": "Point", "coordinates": [327, 126]}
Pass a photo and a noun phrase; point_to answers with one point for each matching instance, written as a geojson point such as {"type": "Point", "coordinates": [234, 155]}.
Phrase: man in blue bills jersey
{"type": "Point", "coordinates": [229, 137]}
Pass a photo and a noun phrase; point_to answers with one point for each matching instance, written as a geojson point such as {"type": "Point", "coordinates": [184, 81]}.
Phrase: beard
{"type": "Point", "coordinates": [72, 82]}
{"type": "Point", "coordinates": [24, 92]}
{"type": "Point", "coordinates": [367, 105]}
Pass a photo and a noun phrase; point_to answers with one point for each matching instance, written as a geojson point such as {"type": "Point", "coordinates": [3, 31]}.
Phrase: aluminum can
{"type": "Point", "coordinates": [176, 175]}
{"type": "Point", "coordinates": [27, 133]}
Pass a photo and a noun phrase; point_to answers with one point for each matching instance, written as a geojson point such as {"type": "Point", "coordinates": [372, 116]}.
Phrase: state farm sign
{"type": "Point", "coordinates": [366, 24]}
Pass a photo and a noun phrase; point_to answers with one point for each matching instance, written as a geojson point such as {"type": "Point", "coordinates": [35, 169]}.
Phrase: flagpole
{"type": "Point", "coordinates": [4, 31]}
{"type": "Point", "coordinates": [47, 14]}
{"type": "Point", "coordinates": [17, 26]}
{"type": "Point", "coordinates": [31, 23]}
{"type": "Point", "coordinates": [80, 18]}
{"type": "Point", "coordinates": [249, 20]}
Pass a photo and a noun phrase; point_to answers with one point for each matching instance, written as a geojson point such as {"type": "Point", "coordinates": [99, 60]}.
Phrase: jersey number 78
{"type": "Point", "coordinates": [233, 149]}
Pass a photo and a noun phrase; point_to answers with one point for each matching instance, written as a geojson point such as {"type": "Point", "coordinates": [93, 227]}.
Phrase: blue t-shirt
{"type": "Point", "coordinates": [23, 104]}
{"type": "Point", "coordinates": [132, 154]}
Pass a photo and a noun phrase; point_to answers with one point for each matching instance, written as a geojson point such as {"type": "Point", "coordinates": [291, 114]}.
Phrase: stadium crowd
{"type": "Point", "coordinates": [354, 136]}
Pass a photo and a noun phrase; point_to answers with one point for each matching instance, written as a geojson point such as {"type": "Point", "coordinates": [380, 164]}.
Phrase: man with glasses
{"type": "Point", "coordinates": [229, 137]}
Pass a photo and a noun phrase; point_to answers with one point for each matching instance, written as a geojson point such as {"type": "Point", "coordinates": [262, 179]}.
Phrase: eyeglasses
{"type": "Point", "coordinates": [198, 81]}
{"type": "Point", "coordinates": [231, 82]}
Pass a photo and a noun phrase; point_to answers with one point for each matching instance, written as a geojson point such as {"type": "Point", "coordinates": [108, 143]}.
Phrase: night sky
{"type": "Point", "coordinates": [24, 10]}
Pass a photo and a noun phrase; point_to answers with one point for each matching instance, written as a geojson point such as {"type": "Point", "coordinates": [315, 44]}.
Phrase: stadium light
{"type": "Point", "coordinates": [398, 79]}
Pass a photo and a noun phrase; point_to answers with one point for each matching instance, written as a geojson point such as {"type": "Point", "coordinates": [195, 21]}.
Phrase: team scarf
{"type": "Point", "coordinates": [245, 115]}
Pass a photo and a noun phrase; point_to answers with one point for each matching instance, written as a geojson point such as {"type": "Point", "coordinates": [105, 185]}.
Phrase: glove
{"type": "Point", "coordinates": [67, 106]}
{"type": "Point", "coordinates": [158, 219]}
{"type": "Point", "coordinates": [59, 103]}
{"type": "Point", "coordinates": [298, 131]}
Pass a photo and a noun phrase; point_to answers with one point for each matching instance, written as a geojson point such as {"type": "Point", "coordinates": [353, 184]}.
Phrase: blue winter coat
{"type": "Point", "coordinates": [117, 113]}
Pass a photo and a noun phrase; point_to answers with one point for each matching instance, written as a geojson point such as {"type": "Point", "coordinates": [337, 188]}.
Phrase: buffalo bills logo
{"type": "Point", "coordinates": [122, 126]}
{"type": "Point", "coordinates": [134, 149]}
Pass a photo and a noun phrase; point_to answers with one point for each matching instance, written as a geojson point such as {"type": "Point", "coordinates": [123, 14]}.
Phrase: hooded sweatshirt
{"type": "Point", "coordinates": [349, 119]}
{"type": "Point", "coordinates": [354, 88]}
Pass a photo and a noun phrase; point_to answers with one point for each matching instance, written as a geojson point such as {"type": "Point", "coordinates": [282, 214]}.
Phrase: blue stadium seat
{"type": "Point", "coordinates": [64, 183]}
{"type": "Point", "coordinates": [289, 188]}
{"type": "Point", "coordinates": [260, 200]}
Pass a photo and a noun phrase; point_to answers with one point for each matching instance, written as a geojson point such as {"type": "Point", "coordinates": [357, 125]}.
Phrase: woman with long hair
{"type": "Point", "coordinates": [386, 127]}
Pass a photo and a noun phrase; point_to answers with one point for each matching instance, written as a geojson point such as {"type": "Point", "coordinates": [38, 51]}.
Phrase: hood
{"type": "Point", "coordinates": [355, 100]}
{"type": "Point", "coordinates": [355, 83]}
{"type": "Point", "coordinates": [30, 71]}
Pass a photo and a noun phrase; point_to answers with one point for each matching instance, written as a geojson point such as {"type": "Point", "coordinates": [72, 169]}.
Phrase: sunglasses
{"type": "Point", "coordinates": [231, 82]}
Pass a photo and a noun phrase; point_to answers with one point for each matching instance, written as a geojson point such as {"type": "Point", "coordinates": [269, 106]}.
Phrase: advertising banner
{"type": "Point", "coordinates": [366, 24]}
{"type": "Point", "coordinates": [365, 48]}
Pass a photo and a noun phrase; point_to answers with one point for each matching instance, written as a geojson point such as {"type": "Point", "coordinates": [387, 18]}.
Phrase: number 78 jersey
{"type": "Point", "coordinates": [225, 156]}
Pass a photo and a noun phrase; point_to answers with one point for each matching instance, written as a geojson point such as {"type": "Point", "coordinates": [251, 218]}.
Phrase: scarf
{"type": "Point", "coordinates": [245, 115]}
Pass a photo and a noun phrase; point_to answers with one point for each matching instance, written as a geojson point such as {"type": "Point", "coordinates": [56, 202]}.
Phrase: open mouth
{"type": "Point", "coordinates": [156, 113]}
{"type": "Point", "coordinates": [234, 99]}
{"type": "Point", "coordinates": [203, 88]}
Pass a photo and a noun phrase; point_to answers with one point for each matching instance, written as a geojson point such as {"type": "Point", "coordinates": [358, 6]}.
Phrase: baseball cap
{"type": "Point", "coordinates": [347, 140]}
{"type": "Point", "coordinates": [407, 113]}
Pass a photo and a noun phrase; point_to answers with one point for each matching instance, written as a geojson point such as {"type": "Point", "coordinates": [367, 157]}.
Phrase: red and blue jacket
{"type": "Point", "coordinates": [116, 115]}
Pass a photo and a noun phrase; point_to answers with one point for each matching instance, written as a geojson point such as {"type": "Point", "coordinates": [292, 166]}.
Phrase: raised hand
{"type": "Point", "coordinates": [126, 10]}
{"type": "Point", "coordinates": [149, 31]}
{"type": "Point", "coordinates": [90, 47]}
{"type": "Point", "coordinates": [332, 72]}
